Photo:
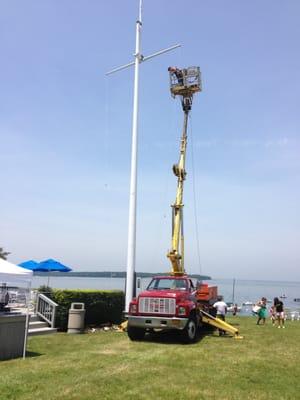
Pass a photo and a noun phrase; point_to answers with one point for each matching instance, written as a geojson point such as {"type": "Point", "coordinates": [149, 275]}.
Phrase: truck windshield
{"type": "Point", "coordinates": [161, 284]}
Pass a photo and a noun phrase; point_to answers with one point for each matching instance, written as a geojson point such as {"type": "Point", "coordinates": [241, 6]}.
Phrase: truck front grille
{"type": "Point", "coordinates": [157, 305]}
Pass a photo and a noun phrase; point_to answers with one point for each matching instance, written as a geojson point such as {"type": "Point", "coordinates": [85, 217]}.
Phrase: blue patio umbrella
{"type": "Point", "coordinates": [51, 265]}
{"type": "Point", "coordinates": [32, 265]}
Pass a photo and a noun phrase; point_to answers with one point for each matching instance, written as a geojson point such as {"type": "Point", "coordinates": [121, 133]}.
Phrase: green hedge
{"type": "Point", "coordinates": [102, 306]}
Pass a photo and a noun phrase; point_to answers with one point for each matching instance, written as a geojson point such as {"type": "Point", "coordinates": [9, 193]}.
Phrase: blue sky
{"type": "Point", "coordinates": [65, 131]}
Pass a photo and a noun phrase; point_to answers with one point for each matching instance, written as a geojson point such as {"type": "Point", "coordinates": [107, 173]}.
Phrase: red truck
{"type": "Point", "coordinates": [170, 303]}
{"type": "Point", "coordinates": [173, 301]}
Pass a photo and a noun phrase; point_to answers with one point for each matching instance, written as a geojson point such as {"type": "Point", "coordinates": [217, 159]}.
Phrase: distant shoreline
{"type": "Point", "coordinates": [112, 274]}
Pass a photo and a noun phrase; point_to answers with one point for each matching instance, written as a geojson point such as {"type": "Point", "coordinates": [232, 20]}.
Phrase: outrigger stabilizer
{"type": "Point", "coordinates": [218, 323]}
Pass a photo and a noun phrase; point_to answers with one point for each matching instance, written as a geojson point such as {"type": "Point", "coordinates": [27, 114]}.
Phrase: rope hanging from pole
{"type": "Point", "coordinates": [107, 128]}
{"type": "Point", "coordinates": [194, 197]}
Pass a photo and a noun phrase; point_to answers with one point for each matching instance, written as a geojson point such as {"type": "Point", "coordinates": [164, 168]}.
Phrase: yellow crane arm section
{"type": "Point", "coordinates": [183, 83]}
{"type": "Point", "coordinates": [176, 254]}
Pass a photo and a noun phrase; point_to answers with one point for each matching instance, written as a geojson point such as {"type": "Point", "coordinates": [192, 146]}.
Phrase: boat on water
{"type": "Point", "coordinates": [248, 303]}
{"type": "Point", "coordinates": [233, 308]}
{"type": "Point", "coordinates": [297, 299]}
{"type": "Point", "coordinates": [294, 315]}
{"type": "Point", "coordinates": [283, 296]}
{"type": "Point", "coordinates": [251, 303]}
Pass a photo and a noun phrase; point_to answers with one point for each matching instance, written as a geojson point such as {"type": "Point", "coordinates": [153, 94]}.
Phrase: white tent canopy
{"type": "Point", "coordinates": [10, 272]}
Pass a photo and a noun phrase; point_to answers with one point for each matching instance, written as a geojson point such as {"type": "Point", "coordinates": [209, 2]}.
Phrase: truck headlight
{"type": "Point", "coordinates": [133, 308]}
{"type": "Point", "coordinates": [181, 311]}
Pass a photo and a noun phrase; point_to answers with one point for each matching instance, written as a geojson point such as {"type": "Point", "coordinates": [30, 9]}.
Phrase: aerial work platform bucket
{"type": "Point", "coordinates": [184, 82]}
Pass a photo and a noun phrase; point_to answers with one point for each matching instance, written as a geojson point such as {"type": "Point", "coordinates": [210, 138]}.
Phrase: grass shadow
{"type": "Point", "coordinates": [214, 332]}
{"type": "Point", "coordinates": [168, 337]}
{"type": "Point", "coordinates": [234, 323]}
{"type": "Point", "coordinates": [31, 354]}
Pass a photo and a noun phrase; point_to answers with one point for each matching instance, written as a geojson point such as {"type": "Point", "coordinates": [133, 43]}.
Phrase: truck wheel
{"type": "Point", "coordinates": [135, 333]}
{"type": "Point", "coordinates": [189, 334]}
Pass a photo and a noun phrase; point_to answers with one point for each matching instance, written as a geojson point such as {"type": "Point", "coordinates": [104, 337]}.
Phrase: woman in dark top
{"type": "Point", "coordinates": [278, 307]}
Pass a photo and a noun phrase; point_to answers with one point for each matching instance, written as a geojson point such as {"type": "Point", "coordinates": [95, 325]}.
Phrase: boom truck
{"type": "Point", "coordinates": [172, 301]}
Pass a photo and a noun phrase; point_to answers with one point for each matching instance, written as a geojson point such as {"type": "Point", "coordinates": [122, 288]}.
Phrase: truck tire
{"type": "Point", "coordinates": [190, 332]}
{"type": "Point", "coordinates": [135, 333]}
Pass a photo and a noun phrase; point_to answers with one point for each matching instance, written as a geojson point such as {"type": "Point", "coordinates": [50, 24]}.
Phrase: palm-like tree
{"type": "Point", "coordinates": [3, 254]}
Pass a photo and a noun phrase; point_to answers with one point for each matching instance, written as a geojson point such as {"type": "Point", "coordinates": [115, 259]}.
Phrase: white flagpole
{"type": "Point", "coordinates": [131, 253]}
{"type": "Point", "coordinates": [131, 249]}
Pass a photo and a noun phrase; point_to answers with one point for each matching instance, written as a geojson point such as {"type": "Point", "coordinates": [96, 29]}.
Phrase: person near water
{"type": "Point", "coordinates": [235, 309]}
{"type": "Point", "coordinates": [279, 309]}
{"type": "Point", "coordinates": [273, 315]}
{"type": "Point", "coordinates": [262, 312]}
{"type": "Point", "coordinates": [221, 308]}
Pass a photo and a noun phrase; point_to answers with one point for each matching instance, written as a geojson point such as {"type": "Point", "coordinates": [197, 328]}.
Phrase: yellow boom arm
{"type": "Point", "coordinates": [176, 254]}
{"type": "Point", "coordinates": [183, 83]}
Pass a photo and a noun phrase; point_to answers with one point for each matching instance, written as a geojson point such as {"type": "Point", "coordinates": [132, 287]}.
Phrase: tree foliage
{"type": "Point", "coordinates": [3, 254]}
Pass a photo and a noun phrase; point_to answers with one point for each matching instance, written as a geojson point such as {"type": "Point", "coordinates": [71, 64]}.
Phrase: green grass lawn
{"type": "Point", "coordinates": [106, 365]}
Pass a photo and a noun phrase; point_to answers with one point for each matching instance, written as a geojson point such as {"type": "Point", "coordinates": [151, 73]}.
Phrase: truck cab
{"type": "Point", "coordinates": [168, 303]}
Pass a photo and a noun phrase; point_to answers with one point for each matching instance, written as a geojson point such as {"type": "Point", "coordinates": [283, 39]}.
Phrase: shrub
{"type": "Point", "coordinates": [46, 290]}
{"type": "Point", "coordinates": [102, 306]}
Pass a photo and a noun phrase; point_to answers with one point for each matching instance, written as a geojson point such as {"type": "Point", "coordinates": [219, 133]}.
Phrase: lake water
{"type": "Point", "coordinates": [245, 290]}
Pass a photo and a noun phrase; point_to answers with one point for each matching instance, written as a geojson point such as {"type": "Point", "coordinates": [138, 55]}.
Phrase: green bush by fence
{"type": "Point", "coordinates": [101, 306]}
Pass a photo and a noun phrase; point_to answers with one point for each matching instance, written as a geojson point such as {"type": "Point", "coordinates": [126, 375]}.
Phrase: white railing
{"type": "Point", "coordinates": [46, 308]}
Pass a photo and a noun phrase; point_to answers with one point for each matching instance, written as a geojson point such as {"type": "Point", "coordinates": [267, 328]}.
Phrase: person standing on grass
{"type": "Point", "coordinates": [273, 314]}
{"type": "Point", "coordinates": [235, 309]}
{"type": "Point", "coordinates": [221, 308]}
{"type": "Point", "coordinates": [278, 307]}
{"type": "Point", "coordinates": [262, 312]}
